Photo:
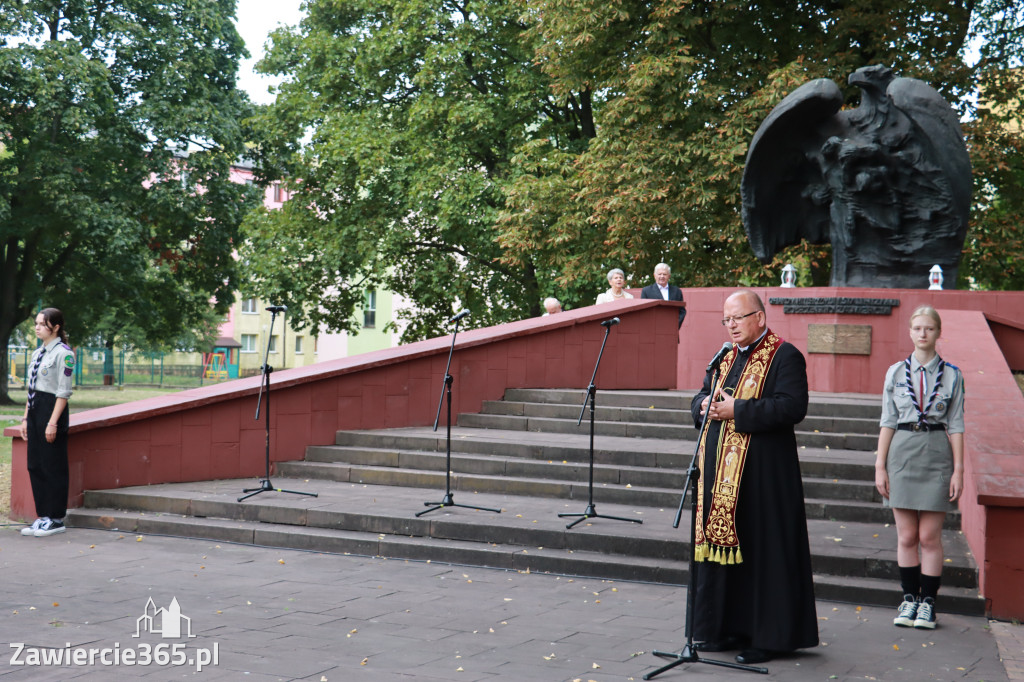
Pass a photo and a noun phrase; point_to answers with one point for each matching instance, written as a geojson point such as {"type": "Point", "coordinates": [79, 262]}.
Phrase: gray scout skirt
{"type": "Point", "coordinates": [920, 466]}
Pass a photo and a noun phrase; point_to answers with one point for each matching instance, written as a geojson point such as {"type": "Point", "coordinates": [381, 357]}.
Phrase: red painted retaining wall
{"type": "Point", "coordinates": [209, 433]}
{"type": "Point", "coordinates": [992, 506]}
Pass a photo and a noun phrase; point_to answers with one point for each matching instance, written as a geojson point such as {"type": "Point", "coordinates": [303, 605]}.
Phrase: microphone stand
{"type": "Point", "coordinates": [446, 393]}
{"type": "Point", "coordinates": [265, 484]}
{"type": "Point", "coordinates": [591, 512]}
{"type": "Point", "coordinates": [689, 653]}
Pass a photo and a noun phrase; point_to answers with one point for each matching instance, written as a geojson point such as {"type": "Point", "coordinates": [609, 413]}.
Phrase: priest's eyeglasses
{"type": "Point", "coordinates": [726, 321]}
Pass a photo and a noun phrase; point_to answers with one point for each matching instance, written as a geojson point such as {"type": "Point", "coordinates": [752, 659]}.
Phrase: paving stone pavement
{"type": "Point", "coordinates": [273, 614]}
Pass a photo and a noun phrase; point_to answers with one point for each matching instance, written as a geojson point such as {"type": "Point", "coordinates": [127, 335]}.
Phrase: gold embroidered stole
{"type": "Point", "coordinates": [717, 541]}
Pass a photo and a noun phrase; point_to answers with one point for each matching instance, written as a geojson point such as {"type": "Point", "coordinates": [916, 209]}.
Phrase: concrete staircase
{"type": "Point", "coordinates": [527, 456]}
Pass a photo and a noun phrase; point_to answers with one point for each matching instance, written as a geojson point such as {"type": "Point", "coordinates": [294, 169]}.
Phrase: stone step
{"type": "Point", "coordinates": [652, 415]}
{"type": "Point", "coordinates": [672, 432]}
{"type": "Point", "coordinates": [824, 498]}
{"type": "Point", "coordinates": [610, 493]}
{"type": "Point", "coordinates": [494, 465]}
{"type": "Point", "coordinates": [842, 549]}
{"type": "Point", "coordinates": [872, 591]}
{"type": "Point", "coordinates": [528, 445]}
{"type": "Point", "coordinates": [821, 462]}
{"type": "Point", "coordinates": [326, 540]}
{"type": "Point", "coordinates": [574, 563]}
{"type": "Point", "coordinates": [673, 478]}
{"type": "Point", "coordinates": [821, 404]}
{"type": "Point", "coordinates": [819, 473]}
{"type": "Point", "coordinates": [665, 400]}
{"type": "Point", "coordinates": [858, 566]}
{"type": "Point", "coordinates": [642, 415]}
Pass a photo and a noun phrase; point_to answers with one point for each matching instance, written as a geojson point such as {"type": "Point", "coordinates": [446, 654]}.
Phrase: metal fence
{"type": "Point", "coordinates": [96, 367]}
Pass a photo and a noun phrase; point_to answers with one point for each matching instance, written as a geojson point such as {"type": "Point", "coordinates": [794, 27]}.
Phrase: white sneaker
{"type": "Point", "coordinates": [907, 612]}
{"type": "Point", "coordinates": [31, 530]}
{"type": "Point", "coordinates": [50, 527]}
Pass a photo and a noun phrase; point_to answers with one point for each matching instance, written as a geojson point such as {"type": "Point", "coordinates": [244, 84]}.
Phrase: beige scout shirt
{"type": "Point", "coordinates": [947, 408]}
{"type": "Point", "coordinates": [56, 372]}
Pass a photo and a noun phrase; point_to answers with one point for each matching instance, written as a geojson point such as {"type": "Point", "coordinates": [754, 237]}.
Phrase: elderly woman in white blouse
{"type": "Point", "coordinates": [616, 278]}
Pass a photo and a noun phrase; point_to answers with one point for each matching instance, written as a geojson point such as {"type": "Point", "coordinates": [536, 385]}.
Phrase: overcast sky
{"type": "Point", "coordinates": [257, 18]}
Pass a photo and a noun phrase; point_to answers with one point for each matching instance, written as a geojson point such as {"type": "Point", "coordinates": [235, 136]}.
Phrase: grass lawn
{"type": "Point", "coordinates": [81, 400]}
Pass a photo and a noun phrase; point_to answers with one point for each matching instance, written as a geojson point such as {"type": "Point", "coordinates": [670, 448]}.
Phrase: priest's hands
{"type": "Point", "coordinates": [723, 407]}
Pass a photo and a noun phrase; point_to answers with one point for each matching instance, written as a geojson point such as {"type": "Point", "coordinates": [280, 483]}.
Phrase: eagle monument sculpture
{"type": "Point", "coordinates": [887, 183]}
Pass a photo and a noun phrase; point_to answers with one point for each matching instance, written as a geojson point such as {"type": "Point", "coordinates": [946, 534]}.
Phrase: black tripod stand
{"type": "Point", "coordinates": [591, 512]}
{"type": "Point", "coordinates": [689, 653]}
{"type": "Point", "coordinates": [265, 484]}
{"type": "Point", "coordinates": [446, 396]}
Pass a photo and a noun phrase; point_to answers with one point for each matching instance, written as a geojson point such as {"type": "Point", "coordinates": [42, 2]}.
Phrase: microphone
{"type": "Point", "coordinates": [726, 347]}
{"type": "Point", "coordinates": [610, 323]}
{"type": "Point", "coordinates": [277, 308]}
{"type": "Point", "coordinates": [458, 317]}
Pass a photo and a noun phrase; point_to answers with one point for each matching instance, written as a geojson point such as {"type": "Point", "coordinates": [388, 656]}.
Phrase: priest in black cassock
{"type": "Point", "coordinates": [753, 582]}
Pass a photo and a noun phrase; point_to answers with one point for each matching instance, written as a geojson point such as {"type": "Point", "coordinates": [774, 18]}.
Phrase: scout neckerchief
{"type": "Point", "coordinates": [35, 373]}
{"type": "Point", "coordinates": [717, 541]}
{"type": "Point", "coordinates": [922, 414]}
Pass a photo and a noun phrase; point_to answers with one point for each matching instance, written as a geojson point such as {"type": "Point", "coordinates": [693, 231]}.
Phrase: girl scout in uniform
{"type": "Point", "coordinates": [45, 425]}
{"type": "Point", "coordinates": [919, 467]}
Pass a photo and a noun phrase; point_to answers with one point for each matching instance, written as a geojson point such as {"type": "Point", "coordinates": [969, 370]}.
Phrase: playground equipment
{"type": "Point", "coordinates": [215, 366]}
{"type": "Point", "coordinates": [13, 353]}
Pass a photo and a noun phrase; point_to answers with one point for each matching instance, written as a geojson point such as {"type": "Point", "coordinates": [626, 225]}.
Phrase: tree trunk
{"type": "Point", "coordinates": [5, 370]}
{"type": "Point", "coordinates": [9, 297]}
{"type": "Point", "coordinates": [532, 287]}
{"type": "Point", "coordinates": [108, 362]}
{"type": "Point", "coordinates": [5, 399]}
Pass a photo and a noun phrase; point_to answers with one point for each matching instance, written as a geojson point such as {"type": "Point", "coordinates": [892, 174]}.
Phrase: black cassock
{"type": "Point", "coordinates": [768, 599]}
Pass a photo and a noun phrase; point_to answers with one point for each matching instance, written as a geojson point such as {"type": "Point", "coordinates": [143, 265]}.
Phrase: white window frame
{"type": "Point", "coordinates": [370, 309]}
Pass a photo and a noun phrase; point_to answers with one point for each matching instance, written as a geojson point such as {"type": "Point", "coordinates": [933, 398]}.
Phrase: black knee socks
{"type": "Point", "coordinates": [930, 586]}
{"type": "Point", "coordinates": [910, 579]}
{"type": "Point", "coordinates": [917, 584]}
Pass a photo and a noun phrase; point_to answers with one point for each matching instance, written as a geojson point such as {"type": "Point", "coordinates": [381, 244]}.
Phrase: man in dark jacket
{"type": "Point", "coordinates": [753, 582]}
{"type": "Point", "coordinates": [663, 290]}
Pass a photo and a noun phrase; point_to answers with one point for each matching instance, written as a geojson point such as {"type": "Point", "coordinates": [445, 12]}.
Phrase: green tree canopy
{"type": "Point", "coordinates": [118, 124]}
{"type": "Point", "coordinates": [685, 84]}
{"type": "Point", "coordinates": [497, 151]}
{"type": "Point", "coordinates": [413, 111]}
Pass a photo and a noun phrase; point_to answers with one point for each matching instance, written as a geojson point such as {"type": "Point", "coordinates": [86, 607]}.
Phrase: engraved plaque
{"type": "Point", "coordinates": [843, 304]}
{"type": "Point", "coordinates": [839, 339]}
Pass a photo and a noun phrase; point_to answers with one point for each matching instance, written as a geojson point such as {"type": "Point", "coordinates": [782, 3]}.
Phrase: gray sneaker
{"type": "Point", "coordinates": [49, 527]}
{"type": "Point", "coordinates": [31, 530]}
